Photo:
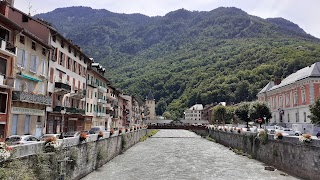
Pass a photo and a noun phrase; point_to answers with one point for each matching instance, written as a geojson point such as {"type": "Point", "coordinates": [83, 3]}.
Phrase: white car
{"type": "Point", "coordinates": [291, 132]}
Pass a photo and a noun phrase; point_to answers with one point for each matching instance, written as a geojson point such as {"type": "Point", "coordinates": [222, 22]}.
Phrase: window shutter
{"type": "Point", "coordinates": [37, 65]}
{"type": "Point", "coordinates": [51, 74]}
{"type": "Point", "coordinates": [25, 62]}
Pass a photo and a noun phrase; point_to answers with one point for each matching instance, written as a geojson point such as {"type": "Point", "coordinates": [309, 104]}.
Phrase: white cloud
{"type": "Point", "coordinates": [300, 12]}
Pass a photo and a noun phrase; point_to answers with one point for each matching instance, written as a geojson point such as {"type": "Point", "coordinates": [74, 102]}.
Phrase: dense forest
{"type": "Point", "coordinates": [188, 57]}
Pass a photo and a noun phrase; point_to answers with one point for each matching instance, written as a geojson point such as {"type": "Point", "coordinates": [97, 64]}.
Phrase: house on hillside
{"type": "Point", "coordinates": [290, 98]}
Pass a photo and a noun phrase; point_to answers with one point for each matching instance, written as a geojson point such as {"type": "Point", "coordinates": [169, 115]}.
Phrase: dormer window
{"type": "Point", "coordinates": [69, 49]}
{"type": "Point", "coordinates": [62, 44]}
{"type": "Point", "coordinates": [25, 18]}
{"type": "Point", "coordinates": [44, 51]}
{"type": "Point", "coordinates": [33, 45]}
{"type": "Point", "coordinates": [54, 38]}
{"type": "Point", "coordinates": [22, 39]}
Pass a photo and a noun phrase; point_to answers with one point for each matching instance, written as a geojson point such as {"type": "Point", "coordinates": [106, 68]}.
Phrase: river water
{"type": "Point", "coordinates": [182, 155]}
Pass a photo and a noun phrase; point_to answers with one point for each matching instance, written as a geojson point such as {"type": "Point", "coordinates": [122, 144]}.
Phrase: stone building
{"type": "Point", "coordinates": [151, 105]}
{"type": "Point", "coordinates": [194, 113]}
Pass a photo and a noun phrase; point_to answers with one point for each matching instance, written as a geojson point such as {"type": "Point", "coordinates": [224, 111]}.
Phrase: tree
{"type": "Point", "coordinates": [315, 112]}
{"type": "Point", "coordinates": [167, 115]}
{"type": "Point", "coordinates": [219, 113]}
{"type": "Point", "coordinates": [242, 112]}
{"type": "Point", "coordinates": [259, 110]}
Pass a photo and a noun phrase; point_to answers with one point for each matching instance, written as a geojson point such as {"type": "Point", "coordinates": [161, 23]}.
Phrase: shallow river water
{"type": "Point", "coordinates": [182, 155]}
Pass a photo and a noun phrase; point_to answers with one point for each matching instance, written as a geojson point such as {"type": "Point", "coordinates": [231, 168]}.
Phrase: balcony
{"type": "Point", "coordinates": [31, 98]}
{"type": "Point", "coordinates": [92, 84]}
{"type": "Point", "coordinates": [78, 94]}
{"type": "Point", "coordinates": [62, 88]}
{"type": "Point", "coordinates": [58, 109]}
{"type": "Point", "coordinates": [102, 101]}
{"type": "Point", "coordinates": [100, 114]}
{"type": "Point", "coordinates": [111, 96]}
{"type": "Point", "coordinates": [72, 110]}
{"type": "Point", "coordinates": [7, 48]}
{"type": "Point", "coordinates": [102, 89]}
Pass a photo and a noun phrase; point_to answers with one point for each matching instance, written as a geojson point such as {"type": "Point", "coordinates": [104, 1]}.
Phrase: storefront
{"type": "Point", "coordinates": [27, 121]}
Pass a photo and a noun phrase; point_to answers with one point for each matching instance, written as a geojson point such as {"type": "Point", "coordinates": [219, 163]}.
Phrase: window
{"type": "Point", "coordinates": [90, 108]}
{"type": "Point", "coordinates": [3, 102]}
{"type": "Point", "coordinates": [68, 63]}
{"type": "Point", "coordinates": [62, 44]}
{"type": "Point", "coordinates": [69, 49]}
{"type": "Point", "coordinates": [295, 97]}
{"type": "Point", "coordinates": [280, 101]}
{"type": "Point", "coordinates": [41, 89]}
{"type": "Point", "coordinates": [87, 107]}
{"type": "Point", "coordinates": [22, 58]}
{"type": "Point", "coordinates": [304, 116]}
{"type": "Point", "coordinates": [288, 117]}
{"type": "Point", "coordinates": [3, 67]}
{"type": "Point", "coordinates": [25, 18]}
{"type": "Point", "coordinates": [34, 63]}
{"type": "Point", "coordinates": [26, 124]}
{"type": "Point", "coordinates": [14, 124]}
{"type": "Point", "coordinates": [95, 94]}
{"type": "Point", "coordinates": [44, 51]}
{"type": "Point", "coordinates": [33, 45]}
{"type": "Point", "coordinates": [54, 38]}
{"type": "Point", "coordinates": [94, 108]}
{"type": "Point", "coordinates": [21, 40]}
{"type": "Point", "coordinates": [61, 59]}
{"type": "Point", "coordinates": [31, 86]}
{"type": "Point", "coordinates": [43, 69]}
{"type": "Point", "coordinates": [297, 117]}
{"type": "Point", "coordinates": [287, 99]}
{"type": "Point", "coordinates": [273, 102]}
{"type": "Point", "coordinates": [303, 94]}
{"type": "Point", "coordinates": [74, 66]}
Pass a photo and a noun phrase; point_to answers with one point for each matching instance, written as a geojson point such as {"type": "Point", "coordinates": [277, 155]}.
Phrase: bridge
{"type": "Point", "coordinates": [170, 126]}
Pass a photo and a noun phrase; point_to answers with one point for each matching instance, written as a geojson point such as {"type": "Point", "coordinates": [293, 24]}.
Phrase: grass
{"type": "Point", "coordinates": [143, 138]}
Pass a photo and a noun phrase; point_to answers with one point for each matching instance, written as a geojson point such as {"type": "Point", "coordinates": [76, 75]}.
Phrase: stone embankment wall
{"type": "Point", "coordinates": [73, 159]}
{"type": "Point", "coordinates": [287, 154]}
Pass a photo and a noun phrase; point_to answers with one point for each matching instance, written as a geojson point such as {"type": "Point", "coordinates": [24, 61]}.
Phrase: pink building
{"type": "Point", "coordinates": [289, 99]}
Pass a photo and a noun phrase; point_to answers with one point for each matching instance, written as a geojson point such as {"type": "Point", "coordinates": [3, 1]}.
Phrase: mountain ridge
{"type": "Point", "coordinates": [187, 57]}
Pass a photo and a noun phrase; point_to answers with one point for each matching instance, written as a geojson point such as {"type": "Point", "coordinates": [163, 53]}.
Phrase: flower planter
{"type": "Point", "coordinates": [100, 136]}
{"type": "Point", "coordinates": [82, 139]}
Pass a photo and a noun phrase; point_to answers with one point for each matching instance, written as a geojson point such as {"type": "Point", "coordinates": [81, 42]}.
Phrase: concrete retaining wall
{"type": "Point", "coordinates": [287, 154]}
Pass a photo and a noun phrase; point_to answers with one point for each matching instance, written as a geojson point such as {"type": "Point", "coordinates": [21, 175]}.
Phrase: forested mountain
{"type": "Point", "coordinates": [189, 57]}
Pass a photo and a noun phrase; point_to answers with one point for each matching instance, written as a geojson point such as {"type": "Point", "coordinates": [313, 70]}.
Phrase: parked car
{"type": "Point", "coordinates": [288, 132]}
{"type": "Point", "coordinates": [43, 137]}
{"type": "Point", "coordinates": [97, 129]}
{"type": "Point", "coordinates": [25, 139]}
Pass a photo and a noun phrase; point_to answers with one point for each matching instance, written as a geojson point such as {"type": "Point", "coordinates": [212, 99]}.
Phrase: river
{"type": "Point", "coordinates": [182, 155]}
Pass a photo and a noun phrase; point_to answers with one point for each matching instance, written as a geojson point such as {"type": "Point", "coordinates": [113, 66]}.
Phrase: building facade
{"type": "Point", "coordinates": [194, 113]}
{"type": "Point", "coordinates": [289, 99]}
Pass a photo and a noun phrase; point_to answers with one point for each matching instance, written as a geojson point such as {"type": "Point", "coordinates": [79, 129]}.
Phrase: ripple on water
{"type": "Point", "coordinates": [182, 155]}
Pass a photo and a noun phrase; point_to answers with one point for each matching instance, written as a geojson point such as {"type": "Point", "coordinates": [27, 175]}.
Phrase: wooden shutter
{"type": "Point", "coordinates": [51, 74]}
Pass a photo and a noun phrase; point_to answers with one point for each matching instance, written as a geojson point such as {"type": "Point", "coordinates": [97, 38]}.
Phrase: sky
{"type": "Point", "coordinates": [302, 12]}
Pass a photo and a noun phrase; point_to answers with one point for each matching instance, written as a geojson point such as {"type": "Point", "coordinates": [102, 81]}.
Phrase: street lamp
{"type": "Point", "coordinates": [63, 112]}
{"type": "Point", "coordinates": [265, 121]}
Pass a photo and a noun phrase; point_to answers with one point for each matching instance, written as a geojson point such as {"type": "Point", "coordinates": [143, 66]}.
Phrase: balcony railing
{"type": "Point", "coordinates": [58, 109]}
{"type": "Point", "coordinates": [8, 48]}
{"type": "Point", "coordinates": [102, 89]}
{"type": "Point", "coordinates": [79, 94]}
{"type": "Point", "coordinates": [100, 114]}
{"type": "Point", "coordinates": [62, 87]}
{"type": "Point", "coordinates": [92, 84]}
{"type": "Point", "coordinates": [31, 98]}
{"type": "Point", "coordinates": [102, 101]}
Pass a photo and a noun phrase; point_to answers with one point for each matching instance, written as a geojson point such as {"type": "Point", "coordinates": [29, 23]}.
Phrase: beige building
{"type": "Point", "coordinates": [29, 96]}
{"type": "Point", "coordinates": [151, 105]}
{"type": "Point", "coordinates": [97, 106]}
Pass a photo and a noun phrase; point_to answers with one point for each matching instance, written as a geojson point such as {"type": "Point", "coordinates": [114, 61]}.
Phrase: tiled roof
{"type": "Point", "coordinates": [150, 96]}
{"type": "Point", "coordinates": [309, 71]}
{"type": "Point", "coordinates": [197, 107]}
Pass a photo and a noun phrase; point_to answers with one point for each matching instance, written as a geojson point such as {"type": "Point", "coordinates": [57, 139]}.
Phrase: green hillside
{"type": "Point", "coordinates": [189, 57]}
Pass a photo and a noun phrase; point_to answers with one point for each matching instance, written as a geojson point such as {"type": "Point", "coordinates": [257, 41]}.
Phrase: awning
{"type": "Point", "coordinates": [30, 78]}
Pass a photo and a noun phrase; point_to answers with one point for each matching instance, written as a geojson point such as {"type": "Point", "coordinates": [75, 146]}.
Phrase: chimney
{"type": "Point", "coordinates": [277, 81]}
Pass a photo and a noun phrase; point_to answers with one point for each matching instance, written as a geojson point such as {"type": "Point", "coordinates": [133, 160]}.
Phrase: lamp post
{"type": "Point", "coordinates": [265, 121]}
{"type": "Point", "coordinates": [63, 112]}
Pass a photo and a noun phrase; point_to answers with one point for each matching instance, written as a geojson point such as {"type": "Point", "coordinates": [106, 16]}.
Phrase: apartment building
{"type": "Point", "coordinates": [290, 98]}
{"type": "Point", "coordinates": [8, 54]}
{"type": "Point", "coordinates": [67, 73]}
{"type": "Point", "coordinates": [97, 106]}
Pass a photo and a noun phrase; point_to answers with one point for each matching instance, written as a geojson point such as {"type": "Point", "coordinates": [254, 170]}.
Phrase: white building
{"type": "Point", "coordinates": [194, 113]}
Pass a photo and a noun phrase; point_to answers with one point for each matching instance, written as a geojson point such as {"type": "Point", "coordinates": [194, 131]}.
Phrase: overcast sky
{"type": "Point", "coordinates": [305, 13]}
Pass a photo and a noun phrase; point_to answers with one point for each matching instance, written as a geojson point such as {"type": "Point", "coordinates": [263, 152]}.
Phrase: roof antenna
{"type": "Point", "coordinates": [29, 8]}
